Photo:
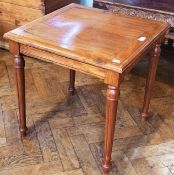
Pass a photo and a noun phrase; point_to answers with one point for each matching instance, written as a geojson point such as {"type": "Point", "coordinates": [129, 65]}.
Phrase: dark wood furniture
{"type": "Point", "coordinates": [88, 40]}
{"type": "Point", "coordinates": [15, 13]}
{"type": "Point", "coordinates": [161, 10]}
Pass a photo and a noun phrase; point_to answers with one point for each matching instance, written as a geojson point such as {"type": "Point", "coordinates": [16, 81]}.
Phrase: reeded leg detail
{"type": "Point", "coordinates": [111, 110]}
{"type": "Point", "coordinates": [153, 63]}
{"type": "Point", "coordinates": [20, 79]}
{"type": "Point", "coordinates": [71, 88]}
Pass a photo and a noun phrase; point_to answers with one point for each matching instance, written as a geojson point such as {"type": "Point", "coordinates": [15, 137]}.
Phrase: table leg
{"type": "Point", "coordinates": [150, 79]}
{"type": "Point", "coordinates": [71, 88]}
{"type": "Point", "coordinates": [20, 78]}
{"type": "Point", "coordinates": [111, 110]}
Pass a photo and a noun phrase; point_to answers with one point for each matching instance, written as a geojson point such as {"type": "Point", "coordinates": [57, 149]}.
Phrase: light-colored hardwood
{"type": "Point", "coordinates": [76, 33]}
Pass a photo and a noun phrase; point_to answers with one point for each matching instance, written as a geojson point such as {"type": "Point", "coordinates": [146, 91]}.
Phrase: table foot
{"type": "Point", "coordinates": [106, 166]}
{"type": "Point", "coordinates": [144, 116]}
{"type": "Point", "coordinates": [71, 92]}
{"type": "Point", "coordinates": [23, 131]}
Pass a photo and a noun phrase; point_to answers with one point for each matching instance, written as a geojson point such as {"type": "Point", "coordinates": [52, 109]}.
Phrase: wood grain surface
{"type": "Point", "coordinates": [110, 45]}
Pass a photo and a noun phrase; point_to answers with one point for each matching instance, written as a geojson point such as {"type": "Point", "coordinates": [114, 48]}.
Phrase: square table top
{"type": "Point", "coordinates": [92, 36]}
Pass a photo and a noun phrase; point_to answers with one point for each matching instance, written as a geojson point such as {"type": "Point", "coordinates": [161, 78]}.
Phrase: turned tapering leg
{"type": "Point", "coordinates": [155, 54]}
{"type": "Point", "coordinates": [111, 111]}
{"type": "Point", "coordinates": [20, 78]}
{"type": "Point", "coordinates": [71, 88]}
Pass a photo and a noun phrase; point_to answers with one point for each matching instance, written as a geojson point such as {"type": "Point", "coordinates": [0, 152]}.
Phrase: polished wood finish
{"type": "Point", "coordinates": [155, 54]}
{"type": "Point", "coordinates": [72, 82]}
{"type": "Point", "coordinates": [74, 37]}
{"type": "Point", "coordinates": [61, 41]}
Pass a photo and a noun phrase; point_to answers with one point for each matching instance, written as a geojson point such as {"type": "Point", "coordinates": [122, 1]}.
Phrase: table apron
{"type": "Point", "coordinates": [63, 61]}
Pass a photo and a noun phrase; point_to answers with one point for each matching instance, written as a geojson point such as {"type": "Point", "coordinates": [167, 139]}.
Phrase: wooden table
{"type": "Point", "coordinates": [161, 10]}
{"type": "Point", "coordinates": [94, 42]}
